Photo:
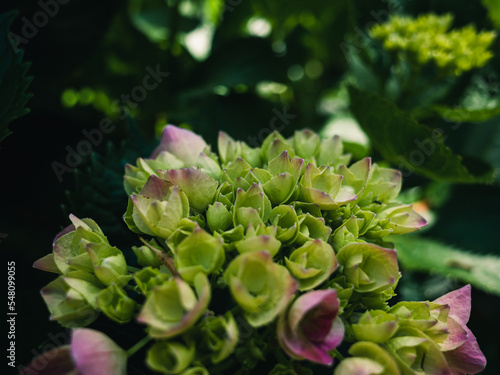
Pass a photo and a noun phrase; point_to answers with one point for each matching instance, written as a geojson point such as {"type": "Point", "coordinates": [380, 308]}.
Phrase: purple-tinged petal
{"type": "Point", "coordinates": [311, 328]}
{"type": "Point", "coordinates": [69, 228]}
{"type": "Point", "coordinates": [457, 336]}
{"type": "Point", "coordinates": [308, 302]}
{"type": "Point", "coordinates": [468, 357]}
{"type": "Point", "coordinates": [199, 187]}
{"type": "Point", "coordinates": [182, 143]}
{"type": "Point", "coordinates": [335, 336]}
{"type": "Point", "coordinates": [48, 264]}
{"type": "Point", "coordinates": [156, 188]}
{"type": "Point", "coordinates": [96, 354]}
{"type": "Point", "coordinates": [459, 301]}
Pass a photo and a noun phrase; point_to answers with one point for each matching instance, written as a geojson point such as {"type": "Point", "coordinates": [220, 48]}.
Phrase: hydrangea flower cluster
{"type": "Point", "coordinates": [273, 255]}
{"type": "Point", "coordinates": [428, 38]}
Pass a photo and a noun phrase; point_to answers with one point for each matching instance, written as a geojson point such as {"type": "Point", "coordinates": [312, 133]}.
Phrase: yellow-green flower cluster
{"type": "Point", "coordinates": [428, 38]}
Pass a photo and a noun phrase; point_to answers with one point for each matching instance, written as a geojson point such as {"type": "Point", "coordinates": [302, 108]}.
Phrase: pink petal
{"type": "Point", "coordinates": [467, 358]}
{"type": "Point", "coordinates": [182, 143]}
{"type": "Point", "coordinates": [96, 354]}
{"type": "Point", "coordinates": [156, 188]}
{"type": "Point", "coordinates": [335, 336]}
{"type": "Point", "coordinates": [310, 300]}
{"type": "Point", "coordinates": [459, 301]}
{"type": "Point", "coordinates": [457, 336]}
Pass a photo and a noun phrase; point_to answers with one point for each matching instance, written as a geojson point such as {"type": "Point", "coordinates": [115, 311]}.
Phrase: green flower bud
{"type": "Point", "coordinates": [200, 252]}
{"type": "Point", "coordinates": [146, 257]}
{"type": "Point", "coordinates": [109, 263]}
{"type": "Point", "coordinates": [208, 165]}
{"type": "Point", "coordinates": [398, 219]}
{"type": "Point", "coordinates": [230, 150]}
{"type": "Point", "coordinates": [235, 173]}
{"type": "Point", "coordinates": [170, 357]}
{"type": "Point", "coordinates": [279, 146]}
{"type": "Point", "coordinates": [135, 177]}
{"type": "Point", "coordinates": [322, 186]}
{"type": "Point", "coordinates": [172, 307]}
{"type": "Point", "coordinates": [69, 247]}
{"type": "Point", "coordinates": [184, 230]}
{"type": "Point", "coordinates": [312, 228]}
{"type": "Point", "coordinates": [157, 209]}
{"type": "Point", "coordinates": [375, 300]}
{"type": "Point", "coordinates": [218, 217]}
{"type": "Point", "coordinates": [287, 222]}
{"type": "Point", "coordinates": [220, 335]}
{"type": "Point", "coordinates": [268, 142]}
{"type": "Point", "coordinates": [199, 187]}
{"type": "Point", "coordinates": [307, 208]}
{"type": "Point", "coordinates": [375, 326]}
{"type": "Point", "coordinates": [251, 206]}
{"type": "Point", "coordinates": [371, 183]}
{"type": "Point", "coordinates": [312, 264]}
{"type": "Point", "coordinates": [306, 143]}
{"type": "Point", "coordinates": [115, 304]}
{"type": "Point", "coordinates": [370, 268]}
{"type": "Point", "coordinates": [428, 317]}
{"type": "Point", "coordinates": [331, 152]}
{"type": "Point", "coordinates": [415, 353]}
{"type": "Point", "coordinates": [71, 299]}
{"type": "Point", "coordinates": [359, 366]}
{"type": "Point", "coordinates": [385, 364]}
{"type": "Point", "coordinates": [285, 173]}
{"type": "Point", "coordinates": [346, 233]}
{"type": "Point", "coordinates": [261, 287]}
{"type": "Point", "coordinates": [232, 236]}
{"type": "Point", "coordinates": [225, 194]}
{"type": "Point", "coordinates": [251, 155]}
{"type": "Point", "coordinates": [147, 278]}
{"type": "Point", "coordinates": [353, 227]}
{"type": "Point", "coordinates": [260, 238]}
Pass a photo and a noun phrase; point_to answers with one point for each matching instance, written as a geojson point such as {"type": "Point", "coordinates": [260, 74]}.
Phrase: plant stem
{"type": "Point", "coordinates": [138, 346]}
{"type": "Point", "coordinates": [133, 269]}
{"type": "Point", "coordinates": [337, 354]}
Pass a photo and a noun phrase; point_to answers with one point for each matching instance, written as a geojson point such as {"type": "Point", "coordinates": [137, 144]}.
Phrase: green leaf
{"type": "Point", "coordinates": [493, 7]}
{"type": "Point", "coordinates": [13, 79]}
{"type": "Point", "coordinates": [421, 254]}
{"type": "Point", "coordinates": [410, 145]}
{"type": "Point", "coordinates": [467, 115]}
